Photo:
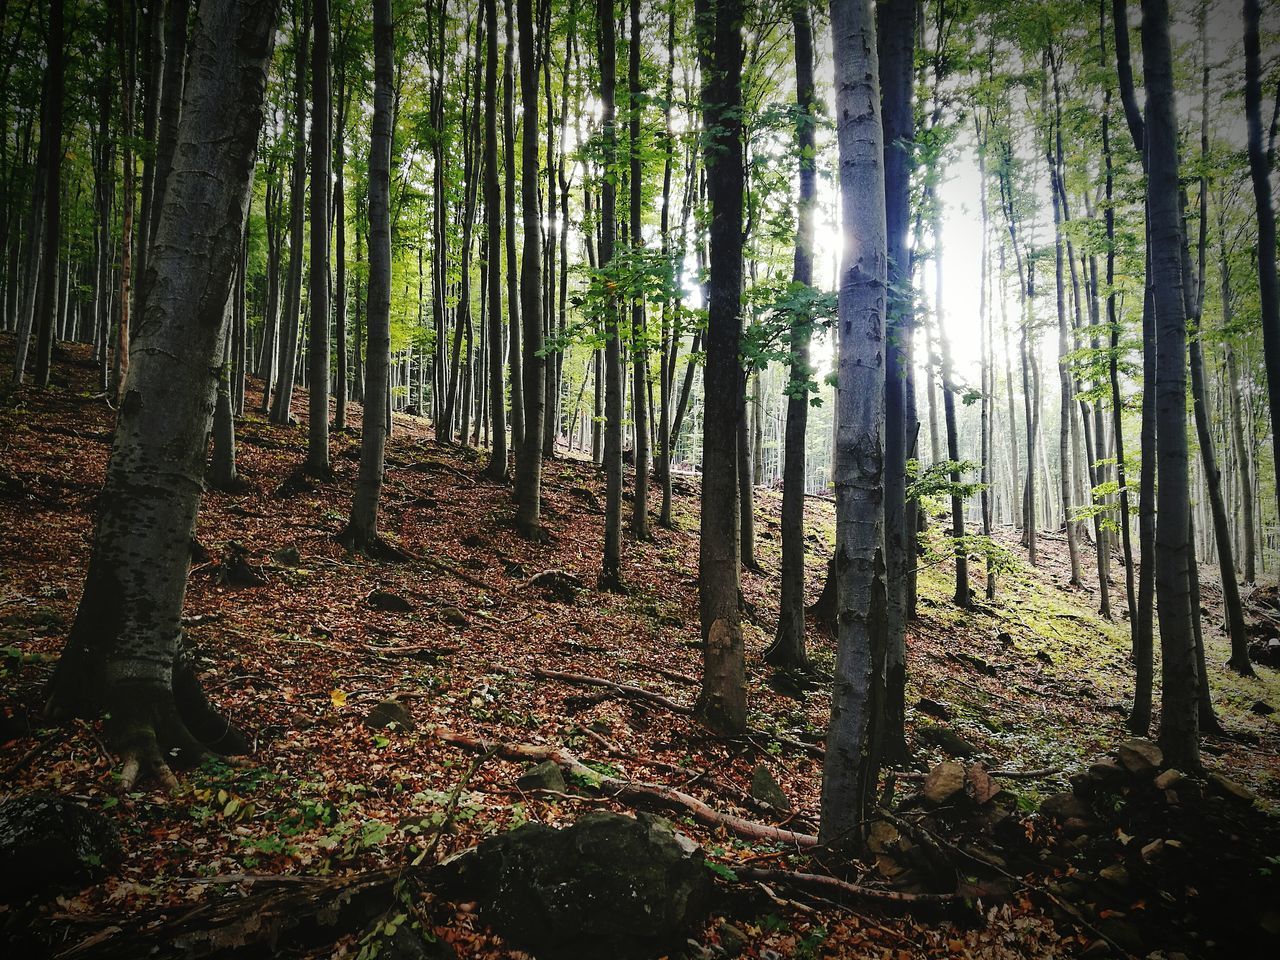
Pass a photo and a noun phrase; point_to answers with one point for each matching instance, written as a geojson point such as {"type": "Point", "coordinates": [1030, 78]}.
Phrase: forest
{"type": "Point", "coordinates": [822, 496]}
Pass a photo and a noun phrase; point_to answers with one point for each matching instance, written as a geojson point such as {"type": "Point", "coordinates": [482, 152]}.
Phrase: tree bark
{"type": "Point", "coordinates": [611, 571]}
{"type": "Point", "coordinates": [497, 468]}
{"type": "Point", "coordinates": [1179, 728]}
{"type": "Point", "coordinates": [50, 130]}
{"type": "Point", "coordinates": [850, 768]}
{"type": "Point", "coordinates": [639, 339]}
{"type": "Point", "coordinates": [318, 341]}
{"type": "Point", "coordinates": [529, 452]}
{"type": "Point", "coordinates": [514, 362]}
{"type": "Point", "coordinates": [722, 705]}
{"type": "Point", "coordinates": [290, 313]}
{"type": "Point", "coordinates": [361, 532]}
{"type": "Point", "coordinates": [1260, 173]}
{"type": "Point", "coordinates": [124, 655]}
{"type": "Point", "coordinates": [788, 648]}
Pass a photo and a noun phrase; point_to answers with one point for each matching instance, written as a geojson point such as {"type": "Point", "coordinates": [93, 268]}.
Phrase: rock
{"type": "Point", "coordinates": [1106, 771]}
{"type": "Point", "coordinates": [557, 585]}
{"type": "Point", "coordinates": [944, 781]}
{"type": "Point", "coordinates": [1262, 708]}
{"type": "Point", "coordinates": [945, 739]}
{"type": "Point", "coordinates": [607, 886]}
{"type": "Point", "coordinates": [542, 776]}
{"type": "Point", "coordinates": [1229, 788]}
{"type": "Point", "coordinates": [1063, 807]}
{"type": "Point", "coordinates": [288, 556]}
{"type": "Point", "coordinates": [389, 714]}
{"type": "Point", "coordinates": [49, 843]}
{"type": "Point", "coordinates": [732, 940]}
{"type": "Point", "coordinates": [388, 601]}
{"type": "Point", "coordinates": [1044, 658]}
{"type": "Point", "coordinates": [1140, 756]}
{"type": "Point", "coordinates": [979, 785]}
{"type": "Point", "coordinates": [1078, 826]}
{"type": "Point", "coordinates": [1098, 948]}
{"type": "Point", "coordinates": [1167, 779]}
{"type": "Point", "coordinates": [765, 789]}
{"type": "Point", "coordinates": [1152, 850]}
{"type": "Point", "coordinates": [933, 708]}
{"type": "Point", "coordinates": [453, 617]}
{"type": "Point", "coordinates": [1004, 638]}
{"type": "Point", "coordinates": [1116, 874]}
{"type": "Point", "coordinates": [882, 836]}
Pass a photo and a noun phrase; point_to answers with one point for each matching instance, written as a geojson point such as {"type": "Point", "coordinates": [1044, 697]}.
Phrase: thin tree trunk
{"type": "Point", "coordinates": [639, 343]}
{"type": "Point", "coordinates": [318, 341]}
{"type": "Point", "coordinates": [361, 532]}
{"type": "Point", "coordinates": [47, 304]}
{"type": "Point", "coordinates": [529, 452]}
{"type": "Point", "coordinates": [788, 648]}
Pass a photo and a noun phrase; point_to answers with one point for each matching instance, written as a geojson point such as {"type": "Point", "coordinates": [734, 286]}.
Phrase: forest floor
{"type": "Point", "coordinates": [1035, 680]}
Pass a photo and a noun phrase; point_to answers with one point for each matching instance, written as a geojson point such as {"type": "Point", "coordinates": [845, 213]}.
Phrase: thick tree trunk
{"type": "Point", "coordinates": [361, 532]}
{"type": "Point", "coordinates": [1179, 728]}
{"type": "Point", "coordinates": [722, 705]}
{"type": "Point", "coordinates": [529, 452]}
{"type": "Point", "coordinates": [788, 648]}
{"type": "Point", "coordinates": [124, 655]}
{"type": "Point", "coordinates": [318, 296]}
{"type": "Point", "coordinates": [849, 772]}
{"type": "Point", "coordinates": [177, 13]}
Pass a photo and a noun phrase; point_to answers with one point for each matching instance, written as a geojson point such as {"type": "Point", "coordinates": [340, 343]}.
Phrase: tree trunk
{"type": "Point", "coordinates": [514, 363]}
{"type": "Point", "coordinates": [290, 314]}
{"type": "Point", "coordinates": [497, 468]}
{"type": "Point", "coordinates": [318, 341]}
{"type": "Point", "coordinates": [1260, 172]}
{"type": "Point", "coordinates": [362, 529]}
{"type": "Point", "coordinates": [722, 705]}
{"type": "Point", "coordinates": [963, 596]}
{"type": "Point", "coordinates": [849, 773]}
{"type": "Point", "coordinates": [124, 655]}
{"type": "Point", "coordinates": [1179, 729]}
{"type": "Point", "coordinates": [788, 648]}
{"type": "Point", "coordinates": [47, 304]}
{"type": "Point", "coordinates": [342, 374]}
{"type": "Point", "coordinates": [177, 13]}
{"type": "Point", "coordinates": [529, 452]}
{"type": "Point", "coordinates": [639, 342]}
{"type": "Point", "coordinates": [611, 571]}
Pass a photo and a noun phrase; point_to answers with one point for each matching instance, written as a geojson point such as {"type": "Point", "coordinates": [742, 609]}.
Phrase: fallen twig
{"type": "Point", "coordinates": [624, 790]}
{"type": "Point", "coordinates": [844, 889]}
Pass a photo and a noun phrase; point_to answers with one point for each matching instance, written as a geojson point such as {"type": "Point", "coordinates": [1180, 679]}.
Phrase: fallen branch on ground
{"type": "Point", "coordinates": [842, 889]}
{"type": "Point", "coordinates": [627, 791]}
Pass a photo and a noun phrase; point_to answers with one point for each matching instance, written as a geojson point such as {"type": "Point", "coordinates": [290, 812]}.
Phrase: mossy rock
{"type": "Point", "coordinates": [607, 886]}
{"type": "Point", "coordinates": [49, 844]}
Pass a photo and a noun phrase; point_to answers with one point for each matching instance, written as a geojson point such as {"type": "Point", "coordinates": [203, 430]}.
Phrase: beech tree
{"type": "Point", "coordinates": [125, 656]}
{"type": "Point", "coordinates": [852, 760]}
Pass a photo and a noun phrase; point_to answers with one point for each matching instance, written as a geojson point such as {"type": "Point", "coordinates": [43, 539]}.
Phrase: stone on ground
{"type": "Point", "coordinates": [49, 843]}
{"type": "Point", "coordinates": [944, 781]}
{"type": "Point", "coordinates": [765, 789]}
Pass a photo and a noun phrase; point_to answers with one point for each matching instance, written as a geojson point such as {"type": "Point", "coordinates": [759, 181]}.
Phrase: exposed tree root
{"type": "Point", "coordinates": [629, 792]}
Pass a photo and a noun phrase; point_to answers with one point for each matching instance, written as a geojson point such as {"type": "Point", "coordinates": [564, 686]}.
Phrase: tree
{"type": "Point", "coordinates": [286, 362]}
{"type": "Point", "coordinates": [1260, 173]}
{"type": "Point", "coordinates": [849, 770]}
{"type": "Point", "coordinates": [788, 648]}
{"type": "Point", "coordinates": [124, 656]}
{"type": "Point", "coordinates": [722, 702]}
{"type": "Point", "coordinates": [318, 342]}
{"type": "Point", "coordinates": [497, 468]}
{"type": "Point", "coordinates": [611, 571]}
{"type": "Point", "coordinates": [48, 298]}
{"type": "Point", "coordinates": [639, 345]}
{"type": "Point", "coordinates": [529, 452]}
{"type": "Point", "coordinates": [361, 532]}
{"type": "Point", "coordinates": [896, 53]}
{"type": "Point", "coordinates": [1179, 729]}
